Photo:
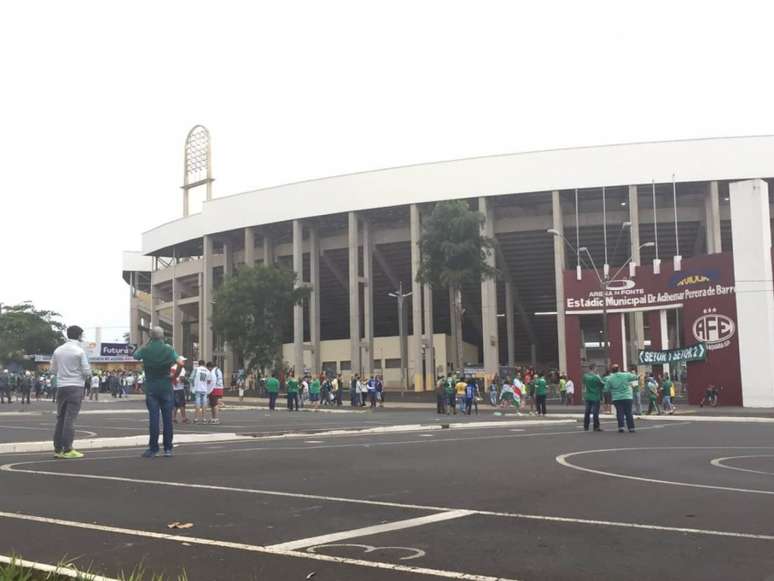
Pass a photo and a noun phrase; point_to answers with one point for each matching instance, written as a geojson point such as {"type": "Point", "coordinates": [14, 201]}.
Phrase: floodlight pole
{"type": "Point", "coordinates": [402, 326]}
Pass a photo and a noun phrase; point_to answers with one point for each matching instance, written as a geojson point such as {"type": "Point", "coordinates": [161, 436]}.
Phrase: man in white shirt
{"type": "Point", "coordinates": [71, 367]}
{"type": "Point", "coordinates": [569, 388]}
{"type": "Point", "coordinates": [202, 385]}
{"type": "Point", "coordinates": [215, 391]}
{"type": "Point", "coordinates": [94, 388]}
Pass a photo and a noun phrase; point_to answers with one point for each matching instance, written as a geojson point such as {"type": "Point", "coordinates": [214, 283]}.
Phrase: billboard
{"type": "Point", "coordinates": [702, 290]}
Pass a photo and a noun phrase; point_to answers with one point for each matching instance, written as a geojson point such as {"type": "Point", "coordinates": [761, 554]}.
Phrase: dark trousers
{"type": "Point", "coordinates": [452, 403]}
{"type": "Point", "coordinates": [272, 400]}
{"type": "Point", "coordinates": [623, 411]}
{"type": "Point", "coordinates": [540, 403]}
{"type": "Point", "coordinates": [67, 407]}
{"type": "Point", "coordinates": [292, 401]}
{"type": "Point", "coordinates": [338, 397]}
{"type": "Point", "coordinates": [592, 409]}
{"type": "Point", "coordinates": [372, 398]}
{"type": "Point", "coordinates": [440, 403]}
{"type": "Point", "coordinates": [5, 393]}
{"type": "Point", "coordinates": [25, 395]}
{"type": "Point", "coordinates": [164, 404]}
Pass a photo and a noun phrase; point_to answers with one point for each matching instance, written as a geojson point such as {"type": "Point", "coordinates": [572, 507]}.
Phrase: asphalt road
{"type": "Point", "coordinates": [491, 503]}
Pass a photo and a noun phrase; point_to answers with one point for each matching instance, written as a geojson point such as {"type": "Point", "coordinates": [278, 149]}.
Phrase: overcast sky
{"type": "Point", "coordinates": [97, 98]}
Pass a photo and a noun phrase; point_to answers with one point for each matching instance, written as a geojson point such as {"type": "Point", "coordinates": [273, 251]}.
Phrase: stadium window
{"type": "Point", "coordinates": [345, 366]}
{"type": "Point", "coordinates": [392, 363]}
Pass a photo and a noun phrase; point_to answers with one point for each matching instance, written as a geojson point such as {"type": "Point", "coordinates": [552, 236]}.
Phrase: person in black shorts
{"type": "Point", "coordinates": [178, 389]}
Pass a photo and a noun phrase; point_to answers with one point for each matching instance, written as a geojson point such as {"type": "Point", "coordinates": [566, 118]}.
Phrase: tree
{"type": "Point", "coordinates": [27, 331]}
{"type": "Point", "coordinates": [252, 312]}
{"type": "Point", "coordinates": [454, 252]}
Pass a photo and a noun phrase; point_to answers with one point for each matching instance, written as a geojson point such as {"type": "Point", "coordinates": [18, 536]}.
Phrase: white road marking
{"type": "Point", "coordinates": [46, 429]}
{"type": "Point", "coordinates": [414, 552]}
{"type": "Point", "coordinates": [372, 530]}
{"type": "Point", "coordinates": [719, 462]}
{"type": "Point", "coordinates": [252, 548]}
{"type": "Point", "coordinates": [313, 442]}
{"type": "Point", "coordinates": [562, 459]}
{"type": "Point", "coordinates": [59, 570]}
{"type": "Point", "coordinates": [569, 520]}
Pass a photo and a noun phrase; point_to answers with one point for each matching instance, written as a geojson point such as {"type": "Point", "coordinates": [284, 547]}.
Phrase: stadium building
{"type": "Point", "coordinates": [678, 232]}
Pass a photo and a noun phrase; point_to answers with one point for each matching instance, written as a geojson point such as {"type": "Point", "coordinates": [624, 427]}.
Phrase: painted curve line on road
{"type": "Point", "coordinates": [253, 548]}
{"type": "Point", "coordinates": [563, 460]}
{"type": "Point", "coordinates": [720, 463]}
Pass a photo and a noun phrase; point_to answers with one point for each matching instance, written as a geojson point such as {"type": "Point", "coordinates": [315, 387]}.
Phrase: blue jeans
{"type": "Point", "coordinates": [160, 402]}
{"type": "Point", "coordinates": [592, 411]}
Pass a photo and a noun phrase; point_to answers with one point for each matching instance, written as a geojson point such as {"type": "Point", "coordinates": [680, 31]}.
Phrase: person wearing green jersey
{"type": "Point", "coordinates": [618, 385]}
{"type": "Point", "coordinates": [292, 386]}
{"type": "Point", "coordinates": [592, 394]}
{"type": "Point", "coordinates": [314, 393]}
{"type": "Point", "coordinates": [451, 395]}
{"type": "Point", "coordinates": [272, 388]}
{"type": "Point", "coordinates": [541, 392]}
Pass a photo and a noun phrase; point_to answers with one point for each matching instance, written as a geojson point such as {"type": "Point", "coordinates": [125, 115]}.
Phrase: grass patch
{"type": "Point", "coordinates": [17, 571]}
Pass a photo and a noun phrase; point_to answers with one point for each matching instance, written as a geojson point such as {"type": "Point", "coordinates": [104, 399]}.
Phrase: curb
{"type": "Point", "coordinates": [63, 571]}
{"type": "Point", "coordinates": [132, 441]}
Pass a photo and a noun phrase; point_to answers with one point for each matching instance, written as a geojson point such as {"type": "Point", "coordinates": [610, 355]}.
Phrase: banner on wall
{"type": "Point", "coordinates": [696, 352]}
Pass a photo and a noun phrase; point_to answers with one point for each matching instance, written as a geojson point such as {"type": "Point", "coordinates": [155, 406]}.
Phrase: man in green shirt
{"type": "Point", "coordinates": [451, 395]}
{"type": "Point", "coordinates": [158, 358]}
{"type": "Point", "coordinates": [592, 393]}
{"type": "Point", "coordinates": [272, 388]}
{"type": "Point", "coordinates": [541, 392]}
{"type": "Point", "coordinates": [314, 393]}
{"type": "Point", "coordinates": [618, 384]}
{"type": "Point", "coordinates": [292, 385]}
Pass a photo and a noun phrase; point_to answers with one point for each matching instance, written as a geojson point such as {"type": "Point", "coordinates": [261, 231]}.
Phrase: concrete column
{"type": "Point", "coordinates": [416, 298]}
{"type": "Point", "coordinates": [229, 359]}
{"type": "Point", "coordinates": [510, 330]}
{"type": "Point", "coordinates": [268, 250]}
{"type": "Point", "coordinates": [177, 317]}
{"type": "Point", "coordinates": [314, 297]}
{"type": "Point", "coordinates": [205, 328]}
{"type": "Point", "coordinates": [154, 300]}
{"type": "Point", "coordinates": [427, 292]}
{"type": "Point", "coordinates": [368, 299]}
{"type": "Point", "coordinates": [298, 310]}
{"type": "Point", "coordinates": [636, 321]}
{"type": "Point", "coordinates": [249, 246]}
{"type": "Point", "coordinates": [712, 218]}
{"type": "Point", "coordinates": [489, 329]}
{"type": "Point", "coordinates": [751, 232]}
{"type": "Point", "coordinates": [134, 321]}
{"type": "Point", "coordinates": [354, 293]}
{"type": "Point", "coordinates": [663, 325]}
{"type": "Point", "coordinates": [559, 262]}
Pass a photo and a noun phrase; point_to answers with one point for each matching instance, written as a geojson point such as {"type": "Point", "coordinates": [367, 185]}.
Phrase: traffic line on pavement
{"type": "Point", "coordinates": [252, 548]}
{"type": "Point", "coordinates": [431, 508]}
{"type": "Point", "coordinates": [563, 460]}
{"type": "Point", "coordinates": [59, 570]}
{"type": "Point", "coordinates": [372, 530]}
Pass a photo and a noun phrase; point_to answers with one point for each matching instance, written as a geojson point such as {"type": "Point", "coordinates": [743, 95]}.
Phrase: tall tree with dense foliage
{"type": "Point", "coordinates": [252, 311]}
{"type": "Point", "coordinates": [454, 253]}
{"type": "Point", "coordinates": [26, 331]}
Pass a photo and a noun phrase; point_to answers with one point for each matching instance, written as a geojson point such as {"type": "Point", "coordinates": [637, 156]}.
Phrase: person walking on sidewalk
{"type": "Point", "coordinates": [71, 367]}
{"type": "Point", "coordinates": [618, 385]}
{"type": "Point", "coordinates": [592, 394]}
{"type": "Point", "coordinates": [216, 393]}
{"type": "Point", "coordinates": [157, 358]}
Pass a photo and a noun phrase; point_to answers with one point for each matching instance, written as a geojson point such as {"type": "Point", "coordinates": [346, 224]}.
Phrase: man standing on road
{"type": "Point", "coordinates": [94, 387]}
{"type": "Point", "coordinates": [5, 386]}
{"type": "Point", "coordinates": [201, 386]}
{"type": "Point", "coordinates": [272, 389]}
{"type": "Point", "coordinates": [71, 368]}
{"type": "Point", "coordinates": [216, 393]}
{"type": "Point", "coordinates": [592, 393]}
{"type": "Point", "coordinates": [177, 373]}
{"type": "Point", "coordinates": [292, 387]}
{"type": "Point", "coordinates": [569, 388]}
{"type": "Point", "coordinates": [157, 358]}
{"type": "Point", "coordinates": [541, 392]}
{"type": "Point", "coordinates": [618, 384]}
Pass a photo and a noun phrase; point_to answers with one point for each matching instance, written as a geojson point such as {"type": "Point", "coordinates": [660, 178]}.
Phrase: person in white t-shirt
{"type": "Point", "coordinates": [94, 387]}
{"type": "Point", "coordinates": [569, 389]}
{"type": "Point", "coordinates": [178, 390]}
{"type": "Point", "coordinates": [202, 385]}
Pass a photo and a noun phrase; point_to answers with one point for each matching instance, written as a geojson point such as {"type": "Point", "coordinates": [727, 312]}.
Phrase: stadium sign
{"type": "Point", "coordinates": [697, 352]}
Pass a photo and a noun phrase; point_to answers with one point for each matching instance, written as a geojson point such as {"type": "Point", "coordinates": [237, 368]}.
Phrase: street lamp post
{"type": "Point", "coordinates": [400, 296]}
